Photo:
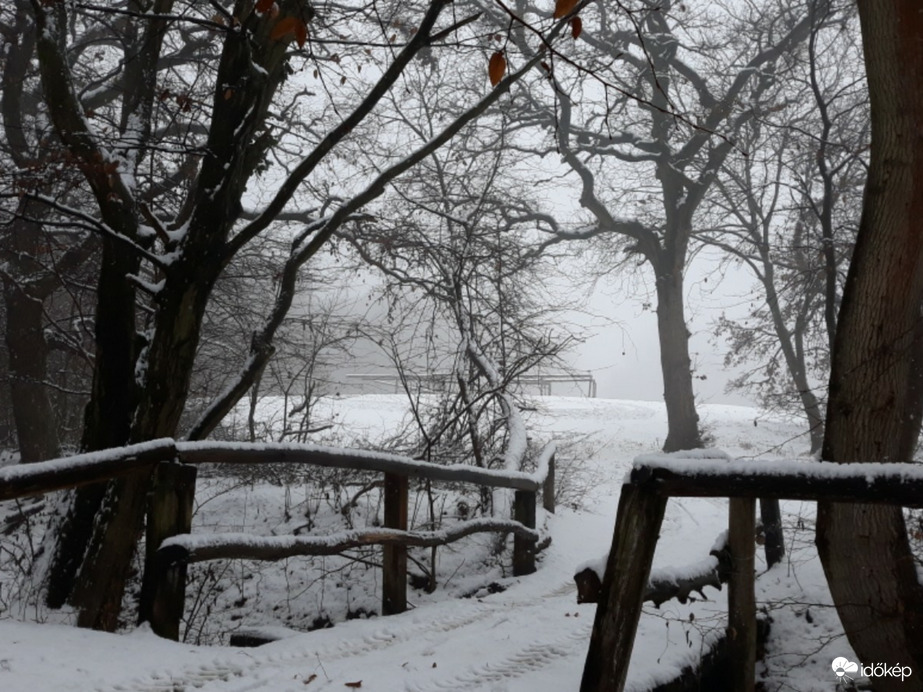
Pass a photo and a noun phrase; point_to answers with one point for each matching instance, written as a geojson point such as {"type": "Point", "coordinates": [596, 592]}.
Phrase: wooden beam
{"type": "Point", "coordinates": [332, 457]}
{"type": "Point", "coordinates": [394, 562]}
{"type": "Point", "coordinates": [23, 480]}
{"type": "Point", "coordinates": [524, 546]}
{"type": "Point", "coordinates": [868, 483]}
{"type": "Point", "coordinates": [741, 632]}
{"type": "Point", "coordinates": [638, 521]}
{"type": "Point", "coordinates": [163, 586]}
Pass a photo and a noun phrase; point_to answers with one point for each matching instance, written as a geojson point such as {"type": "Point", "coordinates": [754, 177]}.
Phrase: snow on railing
{"type": "Point", "coordinates": [171, 546]}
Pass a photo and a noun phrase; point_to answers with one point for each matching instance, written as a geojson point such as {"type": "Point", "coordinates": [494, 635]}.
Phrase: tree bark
{"type": "Point", "coordinates": [36, 427]}
{"type": "Point", "coordinates": [23, 292]}
{"type": "Point", "coordinates": [794, 357]}
{"type": "Point", "coordinates": [873, 410]}
{"type": "Point", "coordinates": [678, 393]}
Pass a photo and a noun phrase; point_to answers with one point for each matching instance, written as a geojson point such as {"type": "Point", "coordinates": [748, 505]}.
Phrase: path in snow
{"type": "Point", "coordinates": [532, 637]}
{"type": "Point", "coordinates": [473, 644]}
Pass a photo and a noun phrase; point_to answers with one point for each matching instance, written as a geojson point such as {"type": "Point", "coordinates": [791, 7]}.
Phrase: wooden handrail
{"type": "Point", "coordinates": [656, 478]}
{"type": "Point", "coordinates": [23, 480]}
{"type": "Point", "coordinates": [869, 483]}
{"type": "Point", "coordinates": [171, 547]}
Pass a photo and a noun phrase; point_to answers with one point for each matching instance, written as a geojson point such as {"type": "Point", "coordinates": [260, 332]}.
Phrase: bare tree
{"type": "Point", "coordinates": [666, 107]}
{"type": "Point", "coordinates": [202, 101]}
{"type": "Point", "coordinates": [786, 211]}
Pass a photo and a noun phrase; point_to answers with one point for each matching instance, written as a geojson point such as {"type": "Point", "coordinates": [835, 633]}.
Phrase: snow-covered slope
{"type": "Point", "coordinates": [531, 636]}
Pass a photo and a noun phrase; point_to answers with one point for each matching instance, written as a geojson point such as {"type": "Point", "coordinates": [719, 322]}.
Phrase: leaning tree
{"type": "Point", "coordinates": [876, 384]}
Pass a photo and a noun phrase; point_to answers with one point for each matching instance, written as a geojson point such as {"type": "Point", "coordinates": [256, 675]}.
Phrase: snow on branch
{"type": "Point", "coordinates": [516, 427]}
{"type": "Point", "coordinates": [665, 583]}
{"type": "Point", "coordinates": [188, 548]}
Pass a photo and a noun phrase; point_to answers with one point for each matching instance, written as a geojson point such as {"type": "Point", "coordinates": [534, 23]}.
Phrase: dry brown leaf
{"type": "Point", "coordinates": [283, 28]}
{"type": "Point", "coordinates": [355, 685]}
{"type": "Point", "coordinates": [496, 68]}
{"type": "Point", "coordinates": [563, 7]}
{"type": "Point", "coordinates": [290, 27]}
{"type": "Point", "coordinates": [576, 26]}
{"type": "Point", "coordinates": [301, 33]}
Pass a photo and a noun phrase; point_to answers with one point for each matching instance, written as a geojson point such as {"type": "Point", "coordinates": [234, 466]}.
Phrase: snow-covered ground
{"type": "Point", "coordinates": [531, 635]}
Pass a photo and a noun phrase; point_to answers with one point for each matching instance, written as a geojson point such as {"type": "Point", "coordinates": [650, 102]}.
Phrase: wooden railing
{"type": "Point", "coordinates": [171, 546]}
{"type": "Point", "coordinates": [640, 514]}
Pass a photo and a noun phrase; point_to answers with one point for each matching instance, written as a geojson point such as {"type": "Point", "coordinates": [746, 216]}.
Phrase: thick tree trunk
{"type": "Point", "coordinates": [21, 246]}
{"type": "Point", "coordinates": [36, 427]}
{"type": "Point", "coordinates": [254, 65]}
{"type": "Point", "coordinates": [678, 394]}
{"type": "Point", "coordinates": [873, 411]}
{"type": "Point", "coordinates": [107, 419]}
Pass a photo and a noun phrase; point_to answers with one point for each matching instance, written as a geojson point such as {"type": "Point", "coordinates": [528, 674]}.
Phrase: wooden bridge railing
{"type": "Point", "coordinates": [171, 546]}
{"type": "Point", "coordinates": [640, 513]}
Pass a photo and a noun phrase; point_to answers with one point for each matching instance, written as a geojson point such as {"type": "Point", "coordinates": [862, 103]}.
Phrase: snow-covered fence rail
{"type": "Point", "coordinates": [654, 479]}
{"type": "Point", "coordinates": [171, 546]}
{"type": "Point", "coordinates": [361, 460]}
{"type": "Point", "coordinates": [23, 480]}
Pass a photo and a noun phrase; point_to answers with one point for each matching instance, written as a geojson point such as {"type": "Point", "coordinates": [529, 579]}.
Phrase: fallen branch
{"type": "Point", "coordinates": [189, 548]}
{"type": "Point", "coordinates": [666, 583]}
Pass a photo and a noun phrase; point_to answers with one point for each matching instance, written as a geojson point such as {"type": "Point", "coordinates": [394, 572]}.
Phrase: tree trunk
{"type": "Point", "coordinates": [168, 359]}
{"type": "Point", "coordinates": [21, 246]}
{"type": "Point", "coordinates": [794, 357]}
{"type": "Point", "coordinates": [873, 411]}
{"type": "Point", "coordinates": [36, 428]}
{"type": "Point", "coordinates": [107, 419]}
{"type": "Point", "coordinates": [678, 394]}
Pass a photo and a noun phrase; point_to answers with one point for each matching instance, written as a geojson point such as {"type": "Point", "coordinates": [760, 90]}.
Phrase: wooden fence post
{"type": "Point", "coordinates": [394, 562]}
{"type": "Point", "coordinates": [741, 633]}
{"type": "Point", "coordinates": [163, 587]}
{"type": "Point", "coordinates": [548, 487]}
{"type": "Point", "coordinates": [524, 548]}
{"type": "Point", "coordinates": [628, 569]}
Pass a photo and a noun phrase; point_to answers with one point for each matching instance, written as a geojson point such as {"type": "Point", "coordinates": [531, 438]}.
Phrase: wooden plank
{"type": "Point", "coordinates": [869, 483]}
{"type": "Point", "coordinates": [163, 586]}
{"type": "Point", "coordinates": [741, 632]}
{"type": "Point", "coordinates": [638, 521]}
{"type": "Point", "coordinates": [394, 563]}
{"type": "Point", "coordinates": [23, 480]}
{"type": "Point", "coordinates": [524, 547]}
